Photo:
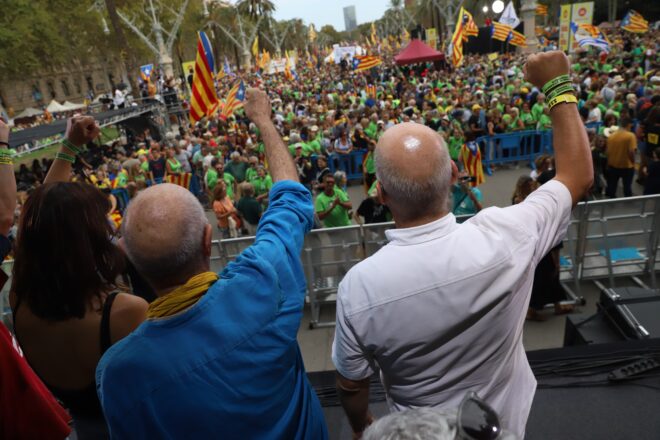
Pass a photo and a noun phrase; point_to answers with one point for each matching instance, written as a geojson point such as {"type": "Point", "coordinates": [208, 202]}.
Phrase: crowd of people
{"type": "Point", "coordinates": [131, 276]}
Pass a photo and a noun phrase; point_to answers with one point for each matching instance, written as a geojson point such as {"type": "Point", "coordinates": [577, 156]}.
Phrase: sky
{"type": "Point", "coordinates": [322, 12]}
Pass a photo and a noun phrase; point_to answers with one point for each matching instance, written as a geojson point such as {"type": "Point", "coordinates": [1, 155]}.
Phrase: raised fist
{"type": "Point", "coordinates": [81, 129]}
{"type": "Point", "coordinates": [257, 105]}
{"type": "Point", "coordinates": [542, 67]}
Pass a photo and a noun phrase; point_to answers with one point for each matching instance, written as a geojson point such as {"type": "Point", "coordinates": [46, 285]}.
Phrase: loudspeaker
{"type": "Point", "coordinates": [633, 311]}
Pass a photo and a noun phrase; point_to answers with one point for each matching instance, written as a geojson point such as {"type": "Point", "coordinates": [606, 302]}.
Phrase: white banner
{"type": "Point", "coordinates": [278, 66]}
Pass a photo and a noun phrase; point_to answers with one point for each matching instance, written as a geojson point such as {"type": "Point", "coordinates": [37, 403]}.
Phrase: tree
{"type": "Point", "coordinates": [331, 32]}
{"type": "Point", "coordinates": [255, 8]}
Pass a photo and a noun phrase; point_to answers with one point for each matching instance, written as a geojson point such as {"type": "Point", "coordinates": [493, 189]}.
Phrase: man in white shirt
{"type": "Point", "coordinates": [439, 311]}
{"type": "Point", "coordinates": [119, 99]}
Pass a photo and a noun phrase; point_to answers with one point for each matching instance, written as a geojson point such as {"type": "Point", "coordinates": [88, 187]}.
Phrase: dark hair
{"type": "Point", "coordinates": [64, 255]}
{"type": "Point", "coordinates": [625, 121]}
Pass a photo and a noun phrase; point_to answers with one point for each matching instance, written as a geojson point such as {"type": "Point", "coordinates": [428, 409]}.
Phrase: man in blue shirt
{"type": "Point", "coordinates": [216, 358]}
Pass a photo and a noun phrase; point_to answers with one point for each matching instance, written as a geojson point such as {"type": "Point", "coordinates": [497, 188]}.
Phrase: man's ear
{"type": "Point", "coordinates": [207, 238]}
{"type": "Point", "coordinates": [381, 196]}
{"type": "Point", "coordinates": [454, 172]}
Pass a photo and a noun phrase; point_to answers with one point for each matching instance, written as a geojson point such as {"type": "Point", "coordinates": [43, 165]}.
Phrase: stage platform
{"type": "Point", "coordinates": [574, 400]}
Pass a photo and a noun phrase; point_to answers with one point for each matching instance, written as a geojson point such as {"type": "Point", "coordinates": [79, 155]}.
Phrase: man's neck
{"type": "Point", "coordinates": [403, 224]}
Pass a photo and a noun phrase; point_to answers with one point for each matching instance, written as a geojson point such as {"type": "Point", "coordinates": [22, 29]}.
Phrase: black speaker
{"type": "Point", "coordinates": [633, 311]}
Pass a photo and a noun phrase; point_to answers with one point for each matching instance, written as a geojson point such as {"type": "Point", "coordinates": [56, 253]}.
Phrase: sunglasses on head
{"type": "Point", "coordinates": [477, 420]}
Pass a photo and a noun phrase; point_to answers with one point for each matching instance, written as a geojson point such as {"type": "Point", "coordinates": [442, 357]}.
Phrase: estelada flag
{"type": "Point", "coordinates": [471, 158]}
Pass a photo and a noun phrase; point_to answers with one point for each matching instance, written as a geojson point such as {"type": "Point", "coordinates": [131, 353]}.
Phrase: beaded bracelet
{"type": "Point", "coordinates": [561, 90]}
{"type": "Point", "coordinates": [67, 143]}
{"type": "Point", "coordinates": [562, 99]}
{"type": "Point", "coordinates": [65, 157]}
{"type": "Point", "coordinates": [555, 82]}
{"type": "Point", "coordinates": [5, 153]}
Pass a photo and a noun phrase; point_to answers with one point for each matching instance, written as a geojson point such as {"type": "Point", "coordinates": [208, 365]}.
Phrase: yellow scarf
{"type": "Point", "coordinates": [182, 297]}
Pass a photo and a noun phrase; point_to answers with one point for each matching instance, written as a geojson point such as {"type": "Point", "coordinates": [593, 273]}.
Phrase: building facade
{"type": "Point", "coordinates": [73, 85]}
{"type": "Point", "coordinates": [350, 20]}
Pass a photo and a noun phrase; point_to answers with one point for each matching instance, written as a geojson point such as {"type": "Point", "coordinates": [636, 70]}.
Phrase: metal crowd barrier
{"type": "Point", "coordinates": [350, 163]}
{"type": "Point", "coordinates": [519, 146]}
{"type": "Point", "coordinates": [613, 239]}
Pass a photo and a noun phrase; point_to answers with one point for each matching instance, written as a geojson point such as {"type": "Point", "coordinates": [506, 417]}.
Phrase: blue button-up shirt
{"type": "Point", "coordinates": [230, 366]}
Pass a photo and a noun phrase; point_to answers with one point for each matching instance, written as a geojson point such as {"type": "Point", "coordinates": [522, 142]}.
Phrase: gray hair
{"type": "Point", "coordinates": [414, 424]}
{"type": "Point", "coordinates": [415, 196]}
{"type": "Point", "coordinates": [178, 254]}
{"type": "Point", "coordinates": [340, 176]}
{"type": "Point", "coordinates": [234, 154]}
{"type": "Point", "coordinates": [420, 424]}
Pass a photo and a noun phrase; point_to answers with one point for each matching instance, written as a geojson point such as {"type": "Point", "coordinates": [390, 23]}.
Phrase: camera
{"type": "Point", "coordinates": [468, 179]}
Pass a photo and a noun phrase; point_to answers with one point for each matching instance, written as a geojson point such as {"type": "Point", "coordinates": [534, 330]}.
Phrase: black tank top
{"type": "Point", "coordinates": [83, 402]}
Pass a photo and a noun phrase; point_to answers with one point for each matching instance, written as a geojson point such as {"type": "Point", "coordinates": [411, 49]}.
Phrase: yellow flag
{"type": "Point", "coordinates": [493, 56]}
{"type": "Point", "coordinates": [255, 47]}
{"type": "Point", "coordinates": [312, 33]}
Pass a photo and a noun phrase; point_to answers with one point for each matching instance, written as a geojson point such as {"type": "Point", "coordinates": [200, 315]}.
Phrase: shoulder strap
{"type": "Point", "coordinates": [106, 342]}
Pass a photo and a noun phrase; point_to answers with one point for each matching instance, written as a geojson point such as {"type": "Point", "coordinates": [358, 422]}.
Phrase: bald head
{"type": "Point", "coordinates": [165, 230]}
{"type": "Point", "coordinates": [414, 169]}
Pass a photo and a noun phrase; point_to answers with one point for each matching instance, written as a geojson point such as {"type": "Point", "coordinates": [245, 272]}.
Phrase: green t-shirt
{"type": "Point", "coordinates": [229, 181]}
{"type": "Point", "coordinates": [312, 147]}
{"type": "Point", "coordinates": [250, 174]}
{"type": "Point", "coordinates": [537, 111]}
{"type": "Point", "coordinates": [122, 179]}
{"type": "Point", "coordinates": [455, 144]}
{"type": "Point", "coordinates": [250, 208]}
{"type": "Point", "coordinates": [545, 123]}
{"type": "Point", "coordinates": [262, 184]}
{"type": "Point", "coordinates": [371, 130]}
{"type": "Point", "coordinates": [338, 216]}
{"type": "Point", "coordinates": [369, 163]}
{"type": "Point", "coordinates": [175, 165]}
{"type": "Point", "coordinates": [211, 179]}
{"type": "Point", "coordinates": [528, 120]}
{"type": "Point", "coordinates": [237, 169]}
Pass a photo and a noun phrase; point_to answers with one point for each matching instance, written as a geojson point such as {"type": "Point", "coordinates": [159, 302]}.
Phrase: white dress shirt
{"type": "Point", "coordinates": [439, 310]}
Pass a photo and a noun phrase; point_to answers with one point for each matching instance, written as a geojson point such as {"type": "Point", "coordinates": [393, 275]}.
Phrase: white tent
{"type": "Point", "coordinates": [28, 113]}
{"type": "Point", "coordinates": [71, 106]}
{"type": "Point", "coordinates": [55, 107]}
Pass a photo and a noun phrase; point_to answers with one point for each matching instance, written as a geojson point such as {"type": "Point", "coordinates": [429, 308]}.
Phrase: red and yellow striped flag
{"type": "Point", "coordinates": [471, 29]}
{"type": "Point", "coordinates": [204, 100]}
{"type": "Point", "coordinates": [500, 32]}
{"type": "Point", "coordinates": [541, 9]}
{"type": "Point", "coordinates": [234, 100]}
{"type": "Point", "coordinates": [179, 179]}
{"type": "Point", "coordinates": [518, 39]}
{"type": "Point", "coordinates": [634, 22]}
{"type": "Point", "coordinates": [366, 62]}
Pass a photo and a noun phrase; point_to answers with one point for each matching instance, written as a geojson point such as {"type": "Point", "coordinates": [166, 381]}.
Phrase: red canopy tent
{"type": "Point", "coordinates": [417, 52]}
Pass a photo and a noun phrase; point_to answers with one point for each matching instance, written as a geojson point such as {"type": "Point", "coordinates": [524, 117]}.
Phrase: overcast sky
{"type": "Point", "coordinates": [322, 12]}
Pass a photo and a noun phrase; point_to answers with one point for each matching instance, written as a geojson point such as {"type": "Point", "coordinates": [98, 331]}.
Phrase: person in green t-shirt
{"type": "Point", "coordinates": [249, 208]}
{"type": "Point", "coordinates": [121, 181]}
{"type": "Point", "coordinates": [216, 173]}
{"type": "Point", "coordinates": [537, 108]}
{"type": "Point", "coordinates": [251, 172]}
{"type": "Point", "coordinates": [172, 164]}
{"type": "Point", "coordinates": [370, 165]}
{"type": "Point", "coordinates": [544, 122]}
{"type": "Point", "coordinates": [332, 206]}
{"type": "Point", "coordinates": [211, 177]}
{"type": "Point", "coordinates": [262, 184]}
{"type": "Point", "coordinates": [237, 167]}
{"type": "Point", "coordinates": [527, 118]}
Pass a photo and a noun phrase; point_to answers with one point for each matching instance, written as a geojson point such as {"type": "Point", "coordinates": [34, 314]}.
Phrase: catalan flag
{"type": "Point", "coordinates": [366, 62]}
{"type": "Point", "coordinates": [179, 179]}
{"type": "Point", "coordinates": [471, 29]}
{"type": "Point", "coordinates": [634, 22]}
{"type": "Point", "coordinates": [471, 158]}
{"type": "Point", "coordinates": [234, 100]}
{"type": "Point", "coordinates": [518, 39]}
{"type": "Point", "coordinates": [541, 9]}
{"type": "Point", "coordinates": [460, 35]}
{"type": "Point", "coordinates": [204, 99]}
{"type": "Point", "coordinates": [500, 32]}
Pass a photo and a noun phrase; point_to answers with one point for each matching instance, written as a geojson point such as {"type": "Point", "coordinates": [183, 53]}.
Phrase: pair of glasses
{"type": "Point", "coordinates": [477, 420]}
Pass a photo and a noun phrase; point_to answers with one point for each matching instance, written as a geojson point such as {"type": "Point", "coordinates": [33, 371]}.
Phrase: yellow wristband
{"type": "Point", "coordinates": [566, 98]}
